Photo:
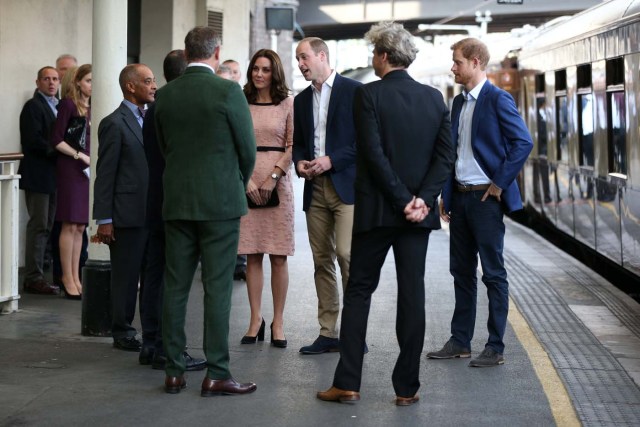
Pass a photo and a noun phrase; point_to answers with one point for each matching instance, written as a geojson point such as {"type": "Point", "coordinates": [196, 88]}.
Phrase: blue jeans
{"type": "Point", "coordinates": [478, 228]}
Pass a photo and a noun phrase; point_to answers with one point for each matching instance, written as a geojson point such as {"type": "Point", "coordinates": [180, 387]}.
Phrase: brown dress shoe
{"type": "Point", "coordinates": [225, 387]}
{"type": "Point", "coordinates": [41, 287]}
{"type": "Point", "coordinates": [406, 401]}
{"type": "Point", "coordinates": [335, 394]}
{"type": "Point", "coordinates": [173, 385]}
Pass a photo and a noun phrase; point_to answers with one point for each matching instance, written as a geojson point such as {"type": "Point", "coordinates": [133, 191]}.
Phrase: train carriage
{"type": "Point", "coordinates": [579, 93]}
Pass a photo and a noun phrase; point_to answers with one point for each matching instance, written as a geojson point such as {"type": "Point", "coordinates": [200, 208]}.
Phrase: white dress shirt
{"type": "Point", "coordinates": [320, 109]}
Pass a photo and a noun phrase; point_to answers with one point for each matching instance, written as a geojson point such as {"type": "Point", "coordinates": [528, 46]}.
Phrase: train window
{"type": "Point", "coordinates": [615, 72]}
{"type": "Point", "coordinates": [562, 114]}
{"type": "Point", "coordinates": [616, 117]}
{"type": "Point", "coordinates": [584, 76]}
{"type": "Point", "coordinates": [585, 129]}
{"type": "Point", "coordinates": [561, 80]}
{"type": "Point", "coordinates": [540, 83]}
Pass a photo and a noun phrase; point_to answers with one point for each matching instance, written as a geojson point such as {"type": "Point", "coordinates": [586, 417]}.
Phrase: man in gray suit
{"type": "Point", "coordinates": [120, 197]}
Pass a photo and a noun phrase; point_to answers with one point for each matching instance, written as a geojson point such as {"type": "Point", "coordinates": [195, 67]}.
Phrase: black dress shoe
{"type": "Point", "coordinates": [192, 363]}
{"type": "Point", "coordinates": [146, 354]}
{"type": "Point", "coordinates": [173, 385]}
{"type": "Point", "coordinates": [240, 275]}
{"type": "Point", "coordinates": [127, 344]}
{"type": "Point", "coordinates": [225, 387]}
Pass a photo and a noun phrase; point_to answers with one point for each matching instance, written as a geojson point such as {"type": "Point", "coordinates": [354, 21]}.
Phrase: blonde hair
{"type": "Point", "coordinates": [66, 85]}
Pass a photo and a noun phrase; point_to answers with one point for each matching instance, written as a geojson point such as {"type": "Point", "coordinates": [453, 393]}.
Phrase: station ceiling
{"type": "Point", "coordinates": [349, 19]}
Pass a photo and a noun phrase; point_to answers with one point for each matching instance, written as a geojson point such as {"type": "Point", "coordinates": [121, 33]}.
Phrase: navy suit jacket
{"type": "Point", "coordinates": [404, 150]}
{"type": "Point", "coordinates": [38, 167]}
{"type": "Point", "coordinates": [340, 137]}
{"type": "Point", "coordinates": [122, 176]}
{"type": "Point", "coordinates": [500, 140]}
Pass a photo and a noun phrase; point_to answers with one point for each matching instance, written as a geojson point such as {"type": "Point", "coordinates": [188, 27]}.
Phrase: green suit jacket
{"type": "Point", "coordinates": [206, 136]}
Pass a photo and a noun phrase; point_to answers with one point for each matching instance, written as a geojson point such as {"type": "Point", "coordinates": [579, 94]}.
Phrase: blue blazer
{"type": "Point", "coordinates": [500, 140]}
{"type": "Point", "coordinates": [340, 140]}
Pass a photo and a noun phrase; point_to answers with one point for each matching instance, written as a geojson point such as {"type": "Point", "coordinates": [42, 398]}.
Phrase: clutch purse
{"type": "Point", "coordinates": [271, 203]}
{"type": "Point", "coordinates": [75, 135]}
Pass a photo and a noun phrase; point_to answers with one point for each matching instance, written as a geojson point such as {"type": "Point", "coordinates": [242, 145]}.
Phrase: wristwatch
{"type": "Point", "coordinates": [76, 155]}
{"type": "Point", "coordinates": [275, 176]}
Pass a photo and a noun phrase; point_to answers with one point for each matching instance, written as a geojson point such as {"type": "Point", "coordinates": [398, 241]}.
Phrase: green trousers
{"type": "Point", "coordinates": [214, 244]}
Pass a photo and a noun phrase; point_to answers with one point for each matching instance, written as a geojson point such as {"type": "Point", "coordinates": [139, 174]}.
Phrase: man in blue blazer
{"type": "Point", "coordinates": [324, 153]}
{"type": "Point", "coordinates": [492, 143]}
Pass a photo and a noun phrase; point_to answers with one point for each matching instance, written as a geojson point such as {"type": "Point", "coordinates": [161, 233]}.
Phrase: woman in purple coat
{"type": "Point", "coordinates": [72, 180]}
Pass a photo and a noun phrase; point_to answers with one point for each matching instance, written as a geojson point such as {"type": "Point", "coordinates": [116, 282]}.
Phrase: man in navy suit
{"type": "Point", "coordinates": [404, 158]}
{"type": "Point", "coordinates": [120, 197]}
{"type": "Point", "coordinates": [37, 170]}
{"type": "Point", "coordinates": [492, 143]}
{"type": "Point", "coordinates": [324, 153]}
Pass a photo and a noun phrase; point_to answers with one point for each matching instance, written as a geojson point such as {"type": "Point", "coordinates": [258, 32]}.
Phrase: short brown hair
{"type": "Point", "coordinates": [473, 48]}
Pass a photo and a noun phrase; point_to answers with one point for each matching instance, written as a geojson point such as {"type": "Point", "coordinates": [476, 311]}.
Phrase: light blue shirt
{"type": "Point", "coordinates": [468, 171]}
{"type": "Point", "coordinates": [53, 103]}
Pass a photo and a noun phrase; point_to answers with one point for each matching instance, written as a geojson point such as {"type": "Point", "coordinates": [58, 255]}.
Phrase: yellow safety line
{"type": "Point", "coordinates": [561, 407]}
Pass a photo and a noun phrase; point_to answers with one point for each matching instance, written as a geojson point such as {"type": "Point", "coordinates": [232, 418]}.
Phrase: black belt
{"type": "Point", "coordinates": [466, 188]}
{"type": "Point", "coordinates": [264, 148]}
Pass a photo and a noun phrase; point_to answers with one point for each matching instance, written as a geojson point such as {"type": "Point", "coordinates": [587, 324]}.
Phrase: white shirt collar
{"type": "Point", "coordinates": [201, 64]}
{"type": "Point", "coordinates": [475, 92]}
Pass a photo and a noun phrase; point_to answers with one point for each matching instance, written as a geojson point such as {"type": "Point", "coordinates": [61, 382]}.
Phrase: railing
{"type": "Point", "coordinates": [9, 208]}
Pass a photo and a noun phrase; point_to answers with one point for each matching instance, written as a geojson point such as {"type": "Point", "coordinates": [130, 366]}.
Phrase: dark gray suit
{"type": "Point", "coordinates": [120, 194]}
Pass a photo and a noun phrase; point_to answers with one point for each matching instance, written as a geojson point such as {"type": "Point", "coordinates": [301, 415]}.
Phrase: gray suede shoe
{"type": "Point", "coordinates": [449, 351]}
{"type": "Point", "coordinates": [489, 357]}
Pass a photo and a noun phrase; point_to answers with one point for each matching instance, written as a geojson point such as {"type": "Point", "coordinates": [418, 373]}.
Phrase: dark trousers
{"type": "Point", "coordinates": [478, 228]}
{"type": "Point", "coordinates": [215, 245]}
{"type": "Point", "coordinates": [42, 211]}
{"type": "Point", "coordinates": [368, 252]}
{"type": "Point", "coordinates": [126, 252]}
{"type": "Point", "coordinates": [151, 285]}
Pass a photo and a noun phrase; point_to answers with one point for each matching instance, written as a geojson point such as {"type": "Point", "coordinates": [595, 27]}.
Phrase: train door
{"type": "Point", "coordinates": [562, 173]}
{"type": "Point", "coordinates": [583, 191]}
{"type": "Point", "coordinates": [629, 167]}
{"type": "Point", "coordinates": [612, 162]}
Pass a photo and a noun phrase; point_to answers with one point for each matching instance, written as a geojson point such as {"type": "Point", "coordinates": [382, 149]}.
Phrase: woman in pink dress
{"type": "Point", "coordinates": [71, 179]}
{"type": "Point", "coordinates": [268, 230]}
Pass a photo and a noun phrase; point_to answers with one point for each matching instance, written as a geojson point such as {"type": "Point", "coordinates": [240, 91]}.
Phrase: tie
{"type": "Point", "coordinates": [142, 112]}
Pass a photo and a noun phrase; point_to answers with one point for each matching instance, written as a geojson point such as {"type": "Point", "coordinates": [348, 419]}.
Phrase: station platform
{"type": "Point", "coordinates": [572, 356]}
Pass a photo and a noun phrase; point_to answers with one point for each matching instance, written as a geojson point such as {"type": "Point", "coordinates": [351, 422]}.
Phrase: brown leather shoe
{"type": "Point", "coordinates": [406, 401]}
{"type": "Point", "coordinates": [173, 385]}
{"type": "Point", "coordinates": [41, 287]}
{"type": "Point", "coordinates": [335, 394]}
{"type": "Point", "coordinates": [225, 387]}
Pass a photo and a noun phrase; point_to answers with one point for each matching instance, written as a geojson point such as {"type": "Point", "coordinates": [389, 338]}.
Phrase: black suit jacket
{"type": "Point", "coordinates": [37, 168]}
{"type": "Point", "coordinates": [340, 138]}
{"type": "Point", "coordinates": [404, 149]}
{"type": "Point", "coordinates": [155, 161]}
{"type": "Point", "coordinates": [122, 176]}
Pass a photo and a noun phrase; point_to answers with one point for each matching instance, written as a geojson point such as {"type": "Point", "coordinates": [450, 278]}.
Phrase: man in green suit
{"type": "Point", "coordinates": [206, 136]}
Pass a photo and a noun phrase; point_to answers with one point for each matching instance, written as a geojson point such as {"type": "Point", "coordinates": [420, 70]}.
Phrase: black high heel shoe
{"type": "Point", "coordinates": [252, 340]}
{"type": "Point", "coordinates": [68, 295]}
{"type": "Point", "coordinates": [277, 343]}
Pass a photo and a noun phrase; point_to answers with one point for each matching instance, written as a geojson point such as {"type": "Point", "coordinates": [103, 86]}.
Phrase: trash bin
{"type": "Point", "coordinates": [96, 299]}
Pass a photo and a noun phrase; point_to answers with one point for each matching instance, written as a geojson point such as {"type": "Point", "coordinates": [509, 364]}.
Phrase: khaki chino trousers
{"type": "Point", "coordinates": [329, 224]}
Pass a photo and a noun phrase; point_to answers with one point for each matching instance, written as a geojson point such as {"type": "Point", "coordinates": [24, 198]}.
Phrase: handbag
{"type": "Point", "coordinates": [75, 135]}
{"type": "Point", "coordinates": [273, 201]}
